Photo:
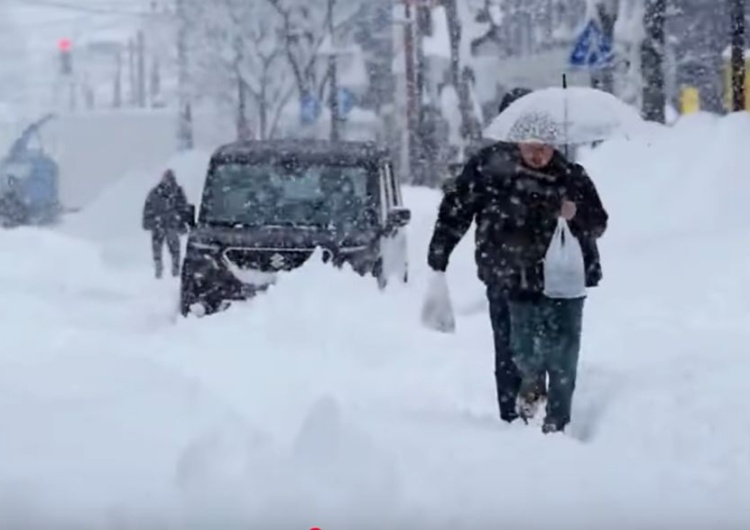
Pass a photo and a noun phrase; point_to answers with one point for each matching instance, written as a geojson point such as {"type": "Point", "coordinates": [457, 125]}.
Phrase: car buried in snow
{"type": "Point", "coordinates": [268, 205]}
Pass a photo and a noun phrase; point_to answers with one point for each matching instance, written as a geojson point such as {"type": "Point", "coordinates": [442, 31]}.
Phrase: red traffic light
{"type": "Point", "coordinates": [64, 45]}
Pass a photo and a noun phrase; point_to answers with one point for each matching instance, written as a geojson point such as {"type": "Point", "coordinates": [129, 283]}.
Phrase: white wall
{"type": "Point", "coordinates": [95, 149]}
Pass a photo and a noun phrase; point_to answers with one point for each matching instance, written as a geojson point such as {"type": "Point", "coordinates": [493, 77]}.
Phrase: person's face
{"type": "Point", "coordinates": [536, 155]}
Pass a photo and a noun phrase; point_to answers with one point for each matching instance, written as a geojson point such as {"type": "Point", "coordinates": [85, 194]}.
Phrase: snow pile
{"type": "Point", "coordinates": [685, 180]}
{"type": "Point", "coordinates": [323, 403]}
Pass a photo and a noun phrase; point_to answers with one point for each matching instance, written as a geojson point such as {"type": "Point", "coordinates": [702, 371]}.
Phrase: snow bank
{"type": "Point", "coordinates": [676, 181]}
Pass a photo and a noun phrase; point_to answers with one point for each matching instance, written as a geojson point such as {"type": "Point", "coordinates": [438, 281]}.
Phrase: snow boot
{"type": "Point", "coordinates": [550, 427]}
{"type": "Point", "coordinates": [509, 416]}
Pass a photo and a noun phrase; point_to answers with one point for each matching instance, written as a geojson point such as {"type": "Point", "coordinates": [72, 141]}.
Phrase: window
{"type": "Point", "coordinates": [283, 194]}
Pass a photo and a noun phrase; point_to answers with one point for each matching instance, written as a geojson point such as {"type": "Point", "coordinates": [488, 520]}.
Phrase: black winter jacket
{"type": "Point", "coordinates": [516, 211]}
{"type": "Point", "coordinates": [166, 208]}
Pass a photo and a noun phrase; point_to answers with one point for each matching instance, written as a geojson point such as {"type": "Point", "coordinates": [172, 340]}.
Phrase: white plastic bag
{"type": "Point", "coordinates": [564, 269]}
{"type": "Point", "coordinates": [437, 311]}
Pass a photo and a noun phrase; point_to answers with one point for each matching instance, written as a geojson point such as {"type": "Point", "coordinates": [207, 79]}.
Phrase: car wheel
{"type": "Point", "coordinates": [192, 302]}
{"type": "Point", "coordinates": [187, 297]}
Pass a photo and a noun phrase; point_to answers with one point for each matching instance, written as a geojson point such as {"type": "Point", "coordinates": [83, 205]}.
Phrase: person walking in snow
{"type": "Point", "coordinates": [164, 215]}
{"type": "Point", "coordinates": [515, 193]}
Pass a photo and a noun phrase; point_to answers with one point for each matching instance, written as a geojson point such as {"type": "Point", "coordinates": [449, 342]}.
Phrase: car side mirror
{"type": "Point", "coordinates": [398, 217]}
{"type": "Point", "coordinates": [190, 215]}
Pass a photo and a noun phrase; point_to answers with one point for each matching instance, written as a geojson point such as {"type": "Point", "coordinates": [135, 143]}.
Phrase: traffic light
{"type": "Point", "coordinates": [66, 61]}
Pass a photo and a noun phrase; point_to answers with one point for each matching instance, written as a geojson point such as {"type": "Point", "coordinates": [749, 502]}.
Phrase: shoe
{"type": "Point", "coordinates": [551, 427]}
{"type": "Point", "coordinates": [509, 416]}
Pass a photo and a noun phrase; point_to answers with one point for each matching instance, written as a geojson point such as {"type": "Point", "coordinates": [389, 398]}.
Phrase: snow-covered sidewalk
{"type": "Point", "coordinates": [325, 404]}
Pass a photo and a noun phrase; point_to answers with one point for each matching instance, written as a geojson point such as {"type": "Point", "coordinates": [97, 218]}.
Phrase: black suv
{"type": "Point", "coordinates": [268, 205]}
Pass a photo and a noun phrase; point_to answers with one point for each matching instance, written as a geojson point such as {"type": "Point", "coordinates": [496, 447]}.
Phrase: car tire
{"type": "Point", "coordinates": [187, 297]}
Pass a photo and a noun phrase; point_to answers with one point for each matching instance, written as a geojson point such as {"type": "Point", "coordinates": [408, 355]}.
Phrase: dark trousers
{"type": "Point", "coordinates": [546, 336]}
{"type": "Point", "coordinates": [172, 238]}
{"type": "Point", "coordinates": [507, 377]}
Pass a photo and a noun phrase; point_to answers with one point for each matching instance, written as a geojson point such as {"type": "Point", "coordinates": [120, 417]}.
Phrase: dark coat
{"type": "Point", "coordinates": [516, 211]}
{"type": "Point", "coordinates": [166, 208]}
{"type": "Point", "coordinates": [512, 96]}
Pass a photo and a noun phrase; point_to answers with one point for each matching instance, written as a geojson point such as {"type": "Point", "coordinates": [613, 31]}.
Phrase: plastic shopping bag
{"type": "Point", "coordinates": [564, 269]}
{"type": "Point", "coordinates": [437, 311]}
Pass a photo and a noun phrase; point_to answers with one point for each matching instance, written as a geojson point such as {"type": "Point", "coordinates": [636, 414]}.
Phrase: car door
{"type": "Point", "coordinates": [393, 244]}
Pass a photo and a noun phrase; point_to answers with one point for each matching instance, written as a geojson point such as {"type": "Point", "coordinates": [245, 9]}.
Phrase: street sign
{"type": "Point", "coordinates": [309, 109]}
{"type": "Point", "coordinates": [592, 48]}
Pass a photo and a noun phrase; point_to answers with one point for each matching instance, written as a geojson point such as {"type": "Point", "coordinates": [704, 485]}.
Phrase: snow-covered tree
{"type": "Point", "coordinates": [15, 72]}
{"type": "Point", "coordinates": [243, 63]}
{"type": "Point", "coordinates": [308, 42]}
{"type": "Point", "coordinates": [259, 56]}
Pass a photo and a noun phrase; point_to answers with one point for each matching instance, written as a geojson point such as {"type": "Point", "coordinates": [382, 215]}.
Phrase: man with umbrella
{"type": "Point", "coordinates": [516, 192]}
{"type": "Point", "coordinates": [507, 378]}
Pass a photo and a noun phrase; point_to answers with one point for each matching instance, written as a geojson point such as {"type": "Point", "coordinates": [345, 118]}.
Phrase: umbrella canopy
{"type": "Point", "coordinates": [559, 116]}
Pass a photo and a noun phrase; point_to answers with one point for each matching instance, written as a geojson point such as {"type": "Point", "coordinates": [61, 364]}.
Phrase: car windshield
{"type": "Point", "coordinates": [290, 194]}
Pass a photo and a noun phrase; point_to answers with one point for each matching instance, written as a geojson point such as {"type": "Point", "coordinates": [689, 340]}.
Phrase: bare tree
{"type": "Point", "coordinates": [306, 28]}
{"type": "Point", "coordinates": [470, 128]}
{"type": "Point", "coordinates": [244, 63]}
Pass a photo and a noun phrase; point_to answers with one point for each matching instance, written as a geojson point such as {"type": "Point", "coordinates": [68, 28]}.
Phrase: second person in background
{"type": "Point", "coordinates": [165, 216]}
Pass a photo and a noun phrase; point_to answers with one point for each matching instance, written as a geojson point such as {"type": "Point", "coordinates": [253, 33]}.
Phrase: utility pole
{"type": "Point", "coordinates": [422, 27]}
{"type": "Point", "coordinates": [141, 69]}
{"type": "Point", "coordinates": [652, 61]}
{"type": "Point", "coordinates": [333, 95]}
{"type": "Point", "coordinates": [412, 111]}
{"type": "Point", "coordinates": [737, 10]}
{"type": "Point", "coordinates": [185, 118]}
{"type": "Point", "coordinates": [132, 75]}
{"type": "Point", "coordinates": [117, 84]}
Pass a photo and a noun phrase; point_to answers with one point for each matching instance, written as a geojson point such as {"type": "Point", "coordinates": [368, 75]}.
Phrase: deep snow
{"type": "Point", "coordinates": [325, 404]}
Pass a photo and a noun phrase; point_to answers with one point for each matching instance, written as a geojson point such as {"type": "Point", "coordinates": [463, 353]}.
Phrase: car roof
{"type": "Point", "coordinates": [343, 152]}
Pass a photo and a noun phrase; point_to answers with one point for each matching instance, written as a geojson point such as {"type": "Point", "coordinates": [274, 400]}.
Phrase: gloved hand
{"type": "Point", "coordinates": [437, 260]}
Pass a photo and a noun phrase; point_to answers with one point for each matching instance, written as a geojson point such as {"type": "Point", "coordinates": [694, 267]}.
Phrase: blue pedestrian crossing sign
{"type": "Point", "coordinates": [592, 48]}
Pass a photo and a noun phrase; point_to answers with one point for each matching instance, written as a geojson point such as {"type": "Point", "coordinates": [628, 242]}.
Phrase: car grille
{"type": "Point", "coordinates": [267, 259]}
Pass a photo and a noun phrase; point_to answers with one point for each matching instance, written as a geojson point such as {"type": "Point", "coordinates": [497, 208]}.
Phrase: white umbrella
{"type": "Point", "coordinates": [573, 115]}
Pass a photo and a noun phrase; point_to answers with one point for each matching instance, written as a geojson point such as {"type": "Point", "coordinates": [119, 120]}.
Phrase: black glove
{"type": "Point", "coordinates": [437, 260]}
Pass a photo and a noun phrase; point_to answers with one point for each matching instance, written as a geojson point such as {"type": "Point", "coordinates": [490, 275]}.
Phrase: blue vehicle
{"type": "Point", "coordinates": [31, 177]}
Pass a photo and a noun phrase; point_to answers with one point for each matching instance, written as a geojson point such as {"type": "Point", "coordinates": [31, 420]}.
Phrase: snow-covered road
{"type": "Point", "coordinates": [325, 404]}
